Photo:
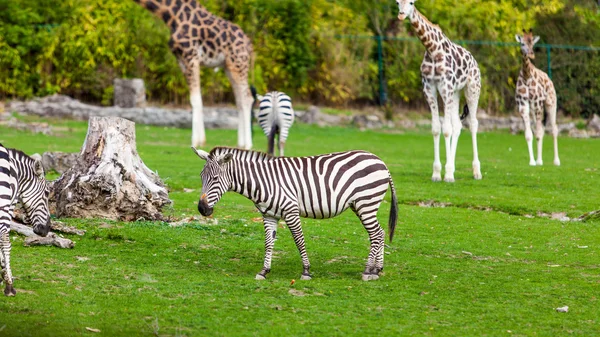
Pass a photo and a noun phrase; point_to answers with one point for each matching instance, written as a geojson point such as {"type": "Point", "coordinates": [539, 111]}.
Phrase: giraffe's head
{"type": "Point", "coordinates": [527, 40]}
{"type": "Point", "coordinates": [215, 179]}
{"type": "Point", "coordinates": [406, 8]}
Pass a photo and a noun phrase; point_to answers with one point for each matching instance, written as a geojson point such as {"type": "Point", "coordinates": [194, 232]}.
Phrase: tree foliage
{"type": "Point", "coordinates": [317, 50]}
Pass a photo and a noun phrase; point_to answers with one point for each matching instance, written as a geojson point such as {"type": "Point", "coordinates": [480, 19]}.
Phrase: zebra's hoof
{"type": "Point", "coordinates": [305, 277]}
{"type": "Point", "coordinates": [260, 277]}
{"type": "Point", "coordinates": [10, 291]}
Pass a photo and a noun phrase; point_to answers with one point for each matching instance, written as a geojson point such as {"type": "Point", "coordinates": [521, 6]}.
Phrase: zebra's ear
{"type": "Point", "coordinates": [202, 154]}
{"type": "Point", "coordinates": [224, 159]}
{"type": "Point", "coordinates": [39, 168]}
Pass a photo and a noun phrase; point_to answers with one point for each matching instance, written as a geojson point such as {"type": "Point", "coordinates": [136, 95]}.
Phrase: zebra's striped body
{"type": "Point", "coordinates": [21, 179]}
{"type": "Point", "coordinates": [275, 116]}
{"type": "Point", "coordinates": [317, 187]}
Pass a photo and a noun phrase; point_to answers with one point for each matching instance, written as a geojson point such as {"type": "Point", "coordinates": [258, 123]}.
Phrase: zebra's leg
{"type": "Point", "coordinates": [270, 237]}
{"type": "Point", "coordinates": [5, 247]}
{"type": "Point", "coordinates": [293, 222]}
{"type": "Point", "coordinates": [281, 148]}
{"type": "Point", "coordinates": [367, 214]}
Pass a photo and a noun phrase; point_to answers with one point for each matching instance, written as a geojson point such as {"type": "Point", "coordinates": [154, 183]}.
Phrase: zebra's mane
{"type": "Point", "coordinates": [240, 153]}
{"type": "Point", "coordinates": [20, 154]}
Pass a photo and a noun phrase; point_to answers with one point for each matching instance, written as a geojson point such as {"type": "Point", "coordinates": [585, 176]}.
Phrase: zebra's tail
{"type": "Point", "coordinates": [393, 210]}
{"type": "Point", "coordinates": [254, 99]}
{"type": "Point", "coordinates": [274, 131]}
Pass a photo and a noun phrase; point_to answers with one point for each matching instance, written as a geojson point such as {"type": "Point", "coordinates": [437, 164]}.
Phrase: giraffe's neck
{"type": "Point", "coordinates": [527, 66]}
{"type": "Point", "coordinates": [430, 35]}
{"type": "Point", "coordinates": [169, 11]}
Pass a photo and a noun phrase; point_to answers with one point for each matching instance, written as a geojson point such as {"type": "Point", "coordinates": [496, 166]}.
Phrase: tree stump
{"type": "Point", "coordinates": [109, 179]}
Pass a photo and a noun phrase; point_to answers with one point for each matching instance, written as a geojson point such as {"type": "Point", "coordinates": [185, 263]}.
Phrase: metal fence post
{"type": "Point", "coordinates": [382, 92]}
{"type": "Point", "coordinates": [549, 61]}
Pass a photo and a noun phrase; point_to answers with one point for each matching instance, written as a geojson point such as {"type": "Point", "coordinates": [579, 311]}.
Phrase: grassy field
{"type": "Point", "coordinates": [491, 262]}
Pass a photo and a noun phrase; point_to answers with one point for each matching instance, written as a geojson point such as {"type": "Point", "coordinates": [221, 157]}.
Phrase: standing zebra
{"type": "Point", "coordinates": [22, 178]}
{"type": "Point", "coordinates": [315, 187]}
{"type": "Point", "coordinates": [275, 116]}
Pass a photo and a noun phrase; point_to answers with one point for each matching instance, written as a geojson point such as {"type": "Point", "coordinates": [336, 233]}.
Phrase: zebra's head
{"type": "Point", "coordinates": [215, 180]}
{"type": "Point", "coordinates": [34, 196]}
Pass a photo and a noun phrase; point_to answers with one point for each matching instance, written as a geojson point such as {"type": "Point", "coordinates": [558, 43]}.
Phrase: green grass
{"type": "Point", "coordinates": [485, 265]}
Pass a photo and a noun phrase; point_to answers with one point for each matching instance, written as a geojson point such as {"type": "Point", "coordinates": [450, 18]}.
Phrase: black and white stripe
{"type": "Point", "coordinates": [21, 179]}
{"type": "Point", "coordinates": [275, 116]}
{"type": "Point", "coordinates": [317, 187]}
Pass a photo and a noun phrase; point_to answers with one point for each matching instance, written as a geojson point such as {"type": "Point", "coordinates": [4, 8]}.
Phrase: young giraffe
{"type": "Point", "coordinates": [199, 38]}
{"type": "Point", "coordinates": [447, 68]}
{"type": "Point", "coordinates": [535, 91]}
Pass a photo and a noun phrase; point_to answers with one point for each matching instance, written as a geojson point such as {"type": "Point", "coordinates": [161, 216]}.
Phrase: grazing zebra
{"type": "Point", "coordinates": [315, 187]}
{"type": "Point", "coordinates": [275, 116]}
{"type": "Point", "coordinates": [21, 178]}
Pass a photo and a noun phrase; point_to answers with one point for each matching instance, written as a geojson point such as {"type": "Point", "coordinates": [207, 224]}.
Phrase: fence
{"type": "Point", "coordinates": [384, 62]}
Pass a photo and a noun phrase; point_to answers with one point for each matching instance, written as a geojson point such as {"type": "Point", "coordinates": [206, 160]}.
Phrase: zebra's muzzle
{"type": "Point", "coordinates": [42, 230]}
{"type": "Point", "coordinates": [203, 208]}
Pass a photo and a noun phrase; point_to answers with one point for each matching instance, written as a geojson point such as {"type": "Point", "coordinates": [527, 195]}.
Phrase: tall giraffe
{"type": "Point", "coordinates": [447, 68]}
{"type": "Point", "coordinates": [199, 38]}
{"type": "Point", "coordinates": [535, 91]}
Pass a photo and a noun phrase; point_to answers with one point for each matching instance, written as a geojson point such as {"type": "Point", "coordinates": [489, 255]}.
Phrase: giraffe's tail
{"type": "Point", "coordinates": [393, 210]}
{"type": "Point", "coordinates": [465, 112]}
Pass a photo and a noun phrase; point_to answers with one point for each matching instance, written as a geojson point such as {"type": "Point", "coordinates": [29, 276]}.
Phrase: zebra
{"type": "Point", "coordinates": [275, 117]}
{"type": "Point", "coordinates": [288, 188]}
{"type": "Point", "coordinates": [21, 179]}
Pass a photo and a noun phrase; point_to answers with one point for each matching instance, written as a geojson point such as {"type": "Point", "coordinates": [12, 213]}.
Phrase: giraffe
{"type": "Point", "coordinates": [199, 38]}
{"type": "Point", "coordinates": [535, 91]}
{"type": "Point", "coordinates": [447, 68]}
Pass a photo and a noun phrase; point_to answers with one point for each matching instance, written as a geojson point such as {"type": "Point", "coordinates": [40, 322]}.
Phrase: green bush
{"type": "Point", "coordinates": [316, 50]}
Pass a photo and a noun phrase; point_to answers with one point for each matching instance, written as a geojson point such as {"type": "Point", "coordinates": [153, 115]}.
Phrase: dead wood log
{"type": "Point", "coordinates": [110, 180]}
{"type": "Point", "coordinates": [35, 240]}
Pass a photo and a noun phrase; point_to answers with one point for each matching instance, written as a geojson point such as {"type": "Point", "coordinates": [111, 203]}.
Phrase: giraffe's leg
{"type": "Point", "coordinates": [292, 220]}
{"type": "Point", "coordinates": [450, 99]}
{"type": "Point", "coordinates": [270, 237]}
{"type": "Point", "coordinates": [243, 101]}
{"type": "Point", "coordinates": [539, 133]}
{"type": "Point", "coordinates": [430, 92]}
{"type": "Point", "coordinates": [281, 147]}
{"type": "Point", "coordinates": [551, 110]}
{"type": "Point", "coordinates": [5, 247]}
{"type": "Point", "coordinates": [456, 131]}
{"type": "Point", "coordinates": [472, 98]}
{"type": "Point", "coordinates": [367, 213]}
{"type": "Point", "coordinates": [192, 74]}
{"type": "Point", "coordinates": [524, 111]}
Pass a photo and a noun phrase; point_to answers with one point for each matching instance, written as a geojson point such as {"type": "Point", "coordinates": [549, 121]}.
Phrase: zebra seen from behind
{"type": "Point", "coordinates": [275, 117]}
{"type": "Point", "coordinates": [21, 179]}
{"type": "Point", "coordinates": [316, 187]}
